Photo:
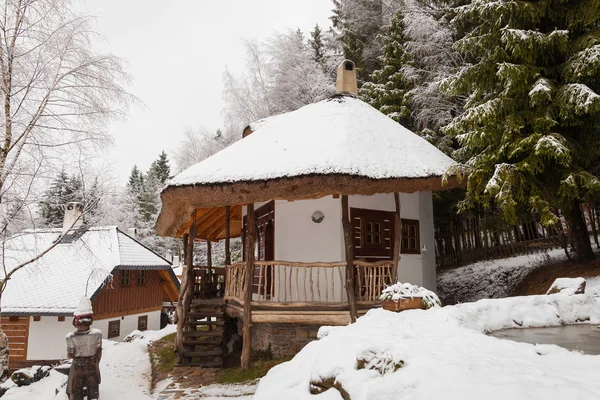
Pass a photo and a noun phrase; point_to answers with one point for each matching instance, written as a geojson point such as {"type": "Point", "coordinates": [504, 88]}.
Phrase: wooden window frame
{"type": "Point", "coordinates": [36, 318]}
{"type": "Point", "coordinates": [140, 319]}
{"type": "Point", "coordinates": [13, 318]}
{"type": "Point", "coordinates": [61, 318]}
{"type": "Point", "coordinates": [116, 322]}
{"type": "Point", "coordinates": [372, 251]}
{"type": "Point", "coordinates": [407, 223]}
{"type": "Point", "coordinates": [125, 278]}
{"type": "Point", "coordinates": [141, 278]}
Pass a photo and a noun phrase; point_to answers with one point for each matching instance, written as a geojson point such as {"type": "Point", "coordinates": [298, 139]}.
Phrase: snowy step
{"type": "Point", "coordinates": [217, 332]}
{"type": "Point", "coordinates": [197, 323]}
{"type": "Point", "coordinates": [203, 353]}
{"type": "Point", "coordinates": [212, 364]}
{"type": "Point", "coordinates": [201, 315]}
{"type": "Point", "coordinates": [216, 341]}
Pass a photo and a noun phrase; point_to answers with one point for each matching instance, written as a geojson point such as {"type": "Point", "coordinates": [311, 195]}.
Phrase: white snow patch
{"type": "Point", "coordinates": [148, 337]}
{"type": "Point", "coordinates": [446, 355]}
{"type": "Point", "coordinates": [566, 286]}
{"type": "Point", "coordinates": [84, 307]}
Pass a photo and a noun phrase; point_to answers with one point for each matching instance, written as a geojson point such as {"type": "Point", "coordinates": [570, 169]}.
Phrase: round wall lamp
{"type": "Point", "coordinates": [317, 217]}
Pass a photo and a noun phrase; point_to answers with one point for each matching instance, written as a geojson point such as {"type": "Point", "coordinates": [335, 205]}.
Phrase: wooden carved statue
{"type": "Point", "coordinates": [84, 346]}
{"type": "Point", "coordinates": [4, 352]}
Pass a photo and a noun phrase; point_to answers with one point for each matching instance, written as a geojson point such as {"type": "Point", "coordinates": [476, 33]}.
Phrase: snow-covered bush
{"type": "Point", "coordinates": [400, 290]}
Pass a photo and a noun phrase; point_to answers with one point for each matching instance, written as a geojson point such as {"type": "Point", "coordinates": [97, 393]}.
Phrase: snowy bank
{"type": "Point", "coordinates": [491, 279]}
{"type": "Point", "coordinates": [444, 353]}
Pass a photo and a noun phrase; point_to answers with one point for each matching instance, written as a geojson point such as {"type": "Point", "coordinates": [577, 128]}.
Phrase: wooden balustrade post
{"type": "Point", "coordinates": [227, 235]}
{"type": "Point", "coordinates": [208, 254]}
{"type": "Point", "coordinates": [350, 276]}
{"type": "Point", "coordinates": [247, 333]}
{"type": "Point", "coordinates": [179, 314]}
{"type": "Point", "coordinates": [397, 238]}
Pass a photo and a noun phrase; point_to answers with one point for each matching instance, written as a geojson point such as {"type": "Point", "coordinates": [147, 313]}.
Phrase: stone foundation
{"type": "Point", "coordinates": [285, 339]}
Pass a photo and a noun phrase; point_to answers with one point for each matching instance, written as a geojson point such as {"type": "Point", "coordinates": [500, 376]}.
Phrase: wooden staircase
{"type": "Point", "coordinates": [203, 325]}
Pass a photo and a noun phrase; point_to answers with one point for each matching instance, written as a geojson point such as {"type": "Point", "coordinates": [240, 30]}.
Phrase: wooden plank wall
{"type": "Point", "coordinates": [17, 331]}
{"type": "Point", "coordinates": [116, 300]}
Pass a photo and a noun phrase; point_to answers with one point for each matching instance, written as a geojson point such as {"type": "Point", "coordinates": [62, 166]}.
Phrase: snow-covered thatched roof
{"type": "Point", "coordinates": [76, 267]}
{"type": "Point", "coordinates": [339, 145]}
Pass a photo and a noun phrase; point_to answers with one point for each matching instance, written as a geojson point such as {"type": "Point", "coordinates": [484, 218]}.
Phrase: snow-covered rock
{"type": "Point", "coordinates": [568, 286]}
{"type": "Point", "coordinates": [444, 353]}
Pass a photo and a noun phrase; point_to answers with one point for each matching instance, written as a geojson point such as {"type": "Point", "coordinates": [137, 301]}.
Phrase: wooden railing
{"type": "Point", "coordinates": [372, 278]}
{"type": "Point", "coordinates": [280, 283]}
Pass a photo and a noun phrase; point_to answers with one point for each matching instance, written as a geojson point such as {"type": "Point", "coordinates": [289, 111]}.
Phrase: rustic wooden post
{"type": "Point", "coordinates": [251, 235]}
{"type": "Point", "coordinates": [227, 235]}
{"type": "Point", "coordinates": [350, 276]}
{"type": "Point", "coordinates": [208, 254]}
{"type": "Point", "coordinates": [179, 317]}
{"type": "Point", "coordinates": [397, 237]}
{"type": "Point", "coordinates": [188, 282]}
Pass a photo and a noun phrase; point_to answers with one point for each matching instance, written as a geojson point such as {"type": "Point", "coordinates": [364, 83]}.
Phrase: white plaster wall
{"type": "Point", "coordinates": [428, 239]}
{"type": "Point", "coordinates": [129, 324]}
{"type": "Point", "coordinates": [47, 336]}
{"type": "Point", "coordinates": [298, 238]}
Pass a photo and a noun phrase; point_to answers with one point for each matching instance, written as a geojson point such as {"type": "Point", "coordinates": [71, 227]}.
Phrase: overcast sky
{"type": "Point", "coordinates": [176, 51]}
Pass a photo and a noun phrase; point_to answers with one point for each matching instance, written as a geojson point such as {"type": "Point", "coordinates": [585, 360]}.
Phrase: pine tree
{"type": "Point", "coordinates": [316, 42]}
{"type": "Point", "coordinates": [160, 168]}
{"type": "Point", "coordinates": [387, 88]}
{"type": "Point", "coordinates": [65, 189]}
{"type": "Point", "coordinates": [135, 182]}
{"type": "Point", "coordinates": [532, 111]}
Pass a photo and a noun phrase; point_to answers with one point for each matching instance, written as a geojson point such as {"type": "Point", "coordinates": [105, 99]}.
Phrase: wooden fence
{"type": "Point", "coordinates": [474, 239]}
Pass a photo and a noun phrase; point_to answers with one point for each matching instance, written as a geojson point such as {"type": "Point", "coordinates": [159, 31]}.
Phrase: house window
{"type": "Point", "coordinates": [410, 236]}
{"type": "Point", "coordinates": [114, 329]}
{"type": "Point", "coordinates": [141, 278]}
{"type": "Point", "coordinates": [61, 318]}
{"type": "Point", "coordinates": [142, 323]}
{"type": "Point", "coordinates": [13, 319]}
{"type": "Point", "coordinates": [37, 318]}
{"type": "Point", "coordinates": [125, 278]}
{"type": "Point", "coordinates": [373, 234]}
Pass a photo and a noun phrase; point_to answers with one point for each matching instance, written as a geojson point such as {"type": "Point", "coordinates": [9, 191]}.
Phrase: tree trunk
{"type": "Point", "coordinates": [579, 233]}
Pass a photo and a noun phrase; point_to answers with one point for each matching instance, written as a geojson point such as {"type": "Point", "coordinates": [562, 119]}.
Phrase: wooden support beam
{"type": "Point", "coordinates": [397, 238]}
{"type": "Point", "coordinates": [350, 276]}
{"type": "Point", "coordinates": [208, 254]}
{"type": "Point", "coordinates": [247, 333]}
{"type": "Point", "coordinates": [227, 235]}
{"type": "Point", "coordinates": [179, 317]}
{"type": "Point", "coordinates": [188, 287]}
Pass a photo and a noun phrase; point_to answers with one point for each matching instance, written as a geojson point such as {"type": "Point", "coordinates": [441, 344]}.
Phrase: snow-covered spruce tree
{"type": "Point", "coordinates": [357, 23]}
{"type": "Point", "coordinates": [387, 87]}
{"type": "Point", "coordinates": [529, 130]}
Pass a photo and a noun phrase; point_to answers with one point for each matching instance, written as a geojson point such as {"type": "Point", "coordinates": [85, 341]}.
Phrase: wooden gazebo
{"type": "Point", "coordinates": [338, 147]}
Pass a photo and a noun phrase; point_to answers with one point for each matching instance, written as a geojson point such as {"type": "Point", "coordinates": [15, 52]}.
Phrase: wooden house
{"type": "Point", "coordinates": [126, 282]}
{"type": "Point", "coordinates": [333, 201]}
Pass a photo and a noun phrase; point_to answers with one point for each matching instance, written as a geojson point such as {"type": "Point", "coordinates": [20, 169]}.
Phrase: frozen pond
{"type": "Point", "coordinates": [583, 338]}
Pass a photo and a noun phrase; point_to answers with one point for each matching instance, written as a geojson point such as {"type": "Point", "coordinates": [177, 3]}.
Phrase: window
{"type": "Point", "coordinates": [61, 318]}
{"type": "Point", "coordinates": [142, 323]}
{"type": "Point", "coordinates": [37, 318]}
{"type": "Point", "coordinates": [13, 319]}
{"type": "Point", "coordinates": [410, 236]}
{"type": "Point", "coordinates": [141, 278]}
{"type": "Point", "coordinates": [125, 278]}
{"type": "Point", "coordinates": [114, 329]}
{"type": "Point", "coordinates": [373, 232]}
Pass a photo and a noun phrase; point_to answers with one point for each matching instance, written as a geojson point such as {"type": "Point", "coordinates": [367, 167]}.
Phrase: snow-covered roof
{"type": "Point", "coordinates": [55, 283]}
{"type": "Point", "coordinates": [339, 145]}
{"type": "Point", "coordinates": [339, 135]}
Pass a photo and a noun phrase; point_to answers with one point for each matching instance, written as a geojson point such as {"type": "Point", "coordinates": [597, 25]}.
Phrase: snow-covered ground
{"type": "Point", "coordinates": [491, 279]}
{"type": "Point", "coordinates": [126, 375]}
{"type": "Point", "coordinates": [444, 353]}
